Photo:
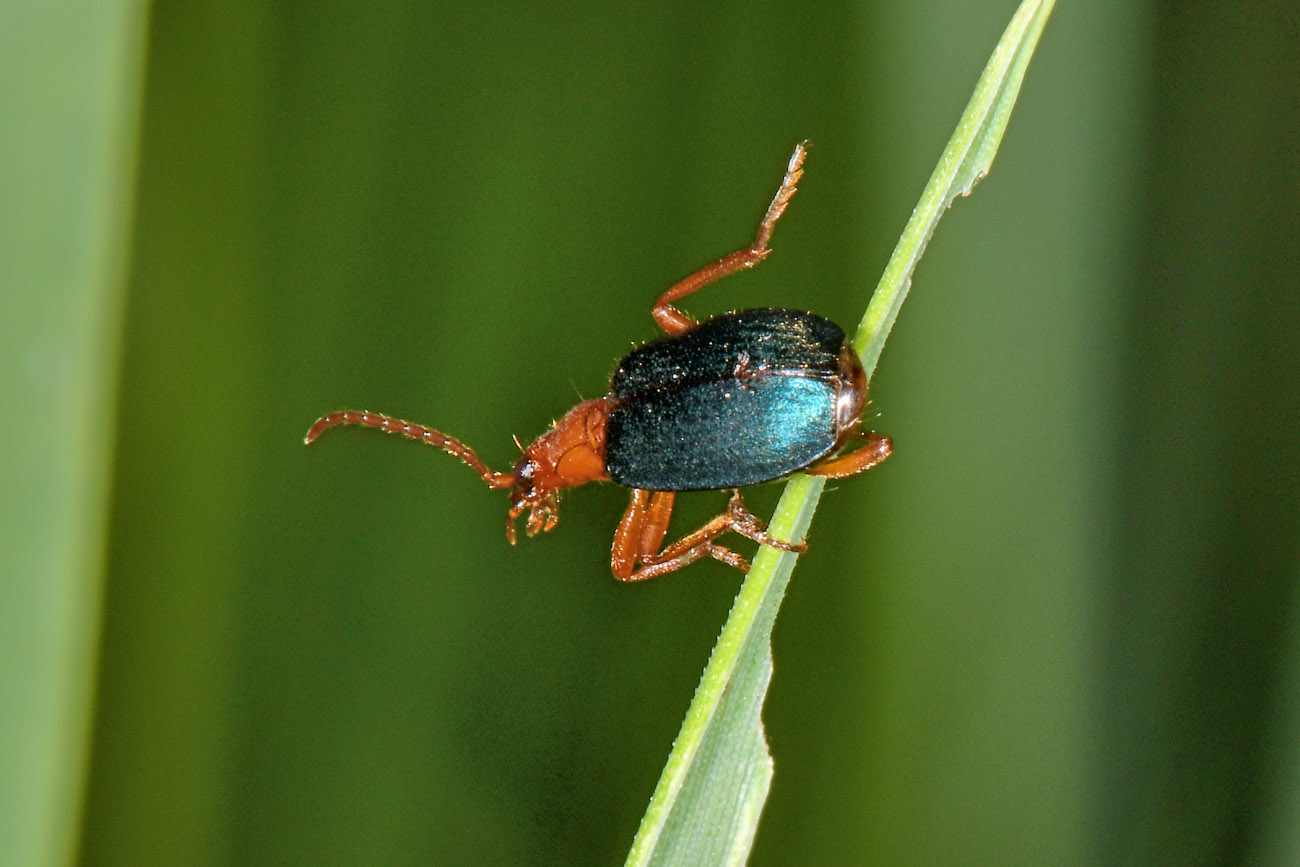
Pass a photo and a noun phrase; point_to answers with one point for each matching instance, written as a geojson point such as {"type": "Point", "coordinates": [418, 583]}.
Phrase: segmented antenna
{"type": "Point", "coordinates": [417, 432]}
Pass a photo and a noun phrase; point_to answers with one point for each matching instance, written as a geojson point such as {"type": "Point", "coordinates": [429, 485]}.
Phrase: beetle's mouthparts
{"type": "Point", "coordinates": [543, 515]}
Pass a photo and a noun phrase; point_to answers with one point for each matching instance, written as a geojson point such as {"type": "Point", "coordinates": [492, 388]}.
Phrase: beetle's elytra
{"type": "Point", "coordinates": [739, 399]}
{"type": "Point", "coordinates": [750, 397]}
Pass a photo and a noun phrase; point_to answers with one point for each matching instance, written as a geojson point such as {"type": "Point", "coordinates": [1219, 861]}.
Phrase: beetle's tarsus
{"type": "Point", "coordinates": [731, 558]}
{"type": "Point", "coordinates": [749, 525]}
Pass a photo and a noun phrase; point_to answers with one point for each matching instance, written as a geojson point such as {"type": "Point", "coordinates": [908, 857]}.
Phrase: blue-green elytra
{"type": "Point", "coordinates": [741, 398]}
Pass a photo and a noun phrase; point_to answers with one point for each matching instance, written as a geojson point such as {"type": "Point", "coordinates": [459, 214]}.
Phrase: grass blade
{"type": "Point", "coordinates": [967, 158]}
{"type": "Point", "coordinates": [706, 807]}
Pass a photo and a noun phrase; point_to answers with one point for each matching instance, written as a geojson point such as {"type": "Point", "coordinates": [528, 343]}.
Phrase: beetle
{"type": "Point", "coordinates": [741, 398]}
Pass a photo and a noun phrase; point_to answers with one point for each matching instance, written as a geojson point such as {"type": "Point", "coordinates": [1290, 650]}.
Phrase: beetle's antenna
{"type": "Point", "coordinates": [420, 433]}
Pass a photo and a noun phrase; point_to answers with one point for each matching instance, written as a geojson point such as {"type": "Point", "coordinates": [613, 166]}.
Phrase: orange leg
{"type": "Point", "coordinates": [674, 321]}
{"type": "Point", "coordinates": [655, 526]}
{"type": "Point", "coordinates": [875, 450]}
{"type": "Point", "coordinates": [627, 538]}
{"type": "Point", "coordinates": [645, 523]}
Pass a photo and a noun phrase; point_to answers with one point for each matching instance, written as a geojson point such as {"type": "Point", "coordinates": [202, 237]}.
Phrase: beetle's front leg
{"type": "Point", "coordinates": [641, 533]}
{"type": "Point", "coordinates": [645, 523]}
{"type": "Point", "coordinates": [627, 538]}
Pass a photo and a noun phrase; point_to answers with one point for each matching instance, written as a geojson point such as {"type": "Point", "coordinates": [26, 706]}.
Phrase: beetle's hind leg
{"type": "Point", "coordinates": [674, 321]}
{"type": "Point", "coordinates": [874, 450]}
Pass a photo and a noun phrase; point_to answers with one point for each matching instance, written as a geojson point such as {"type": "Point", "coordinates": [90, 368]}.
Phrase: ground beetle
{"type": "Point", "coordinates": [735, 400]}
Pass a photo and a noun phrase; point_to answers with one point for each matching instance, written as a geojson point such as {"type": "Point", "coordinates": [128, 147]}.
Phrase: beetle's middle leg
{"type": "Point", "coordinates": [749, 525]}
{"type": "Point", "coordinates": [674, 321]}
{"type": "Point", "coordinates": [644, 524]}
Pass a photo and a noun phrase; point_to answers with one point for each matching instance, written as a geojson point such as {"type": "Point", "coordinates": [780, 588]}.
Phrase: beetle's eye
{"type": "Point", "coordinates": [523, 475]}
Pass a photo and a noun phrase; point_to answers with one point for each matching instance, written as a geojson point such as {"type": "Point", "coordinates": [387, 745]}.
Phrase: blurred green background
{"type": "Point", "coordinates": [1057, 627]}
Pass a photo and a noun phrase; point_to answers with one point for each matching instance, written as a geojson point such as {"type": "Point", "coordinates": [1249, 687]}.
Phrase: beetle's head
{"type": "Point", "coordinates": [532, 495]}
{"type": "Point", "coordinates": [571, 453]}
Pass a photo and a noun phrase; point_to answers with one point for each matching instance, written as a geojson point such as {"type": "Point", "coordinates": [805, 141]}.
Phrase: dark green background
{"type": "Point", "coordinates": [1055, 628]}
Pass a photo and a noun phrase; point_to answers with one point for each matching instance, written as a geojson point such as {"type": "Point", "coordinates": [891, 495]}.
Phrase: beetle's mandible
{"type": "Point", "coordinates": [735, 400]}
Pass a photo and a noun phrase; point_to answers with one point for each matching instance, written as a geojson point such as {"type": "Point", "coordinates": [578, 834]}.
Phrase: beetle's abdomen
{"type": "Point", "coordinates": [740, 399]}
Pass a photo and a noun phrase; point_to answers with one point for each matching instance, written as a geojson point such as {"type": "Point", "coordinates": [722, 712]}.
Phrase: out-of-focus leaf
{"type": "Point", "coordinates": [70, 101]}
